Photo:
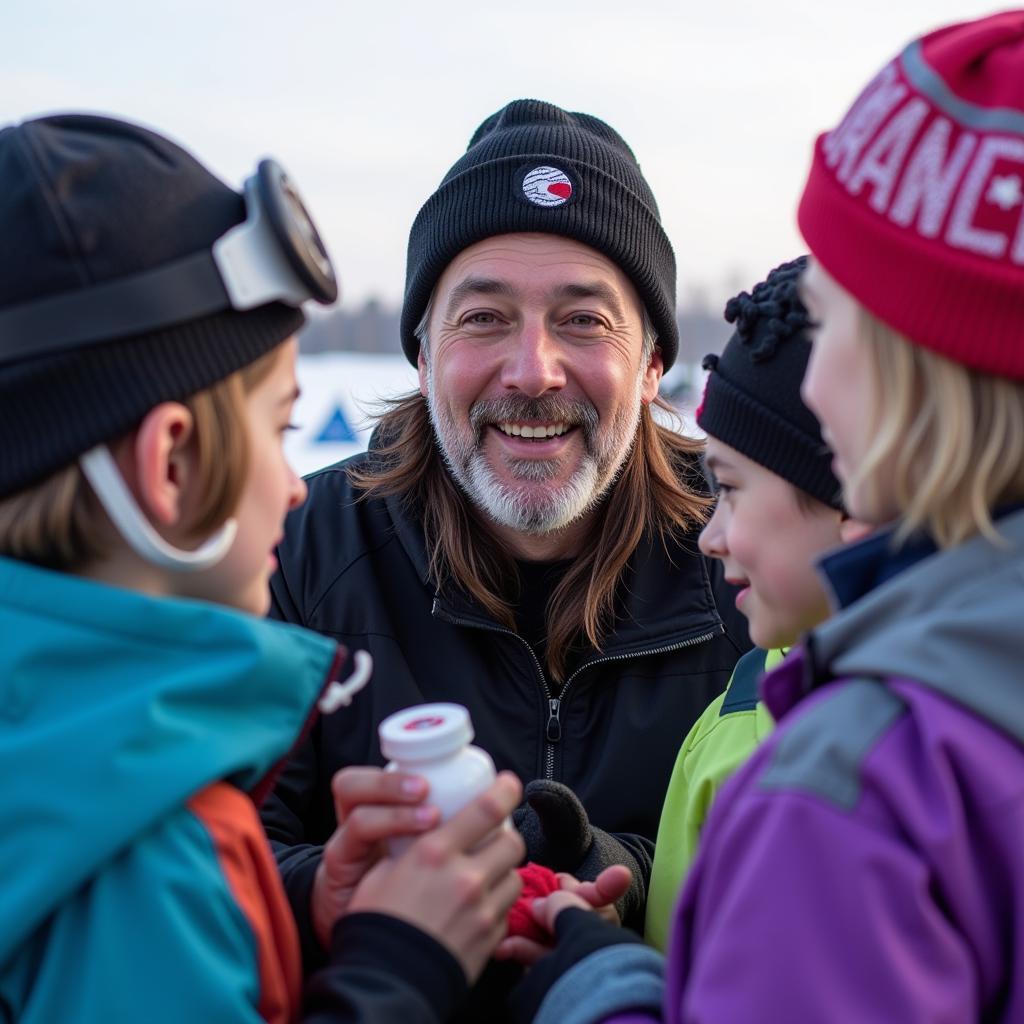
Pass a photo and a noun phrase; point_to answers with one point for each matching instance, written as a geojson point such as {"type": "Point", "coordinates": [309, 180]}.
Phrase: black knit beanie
{"type": "Point", "coordinates": [86, 200]}
{"type": "Point", "coordinates": [752, 399]}
{"type": "Point", "coordinates": [535, 167]}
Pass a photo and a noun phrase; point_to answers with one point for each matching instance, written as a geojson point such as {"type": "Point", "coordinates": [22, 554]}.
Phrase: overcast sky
{"type": "Point", "coordinates": [368, 104]}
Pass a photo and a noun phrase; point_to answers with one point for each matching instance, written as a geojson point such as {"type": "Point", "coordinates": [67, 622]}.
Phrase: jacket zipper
{"type": "Point", "coordinates": [553, 730]}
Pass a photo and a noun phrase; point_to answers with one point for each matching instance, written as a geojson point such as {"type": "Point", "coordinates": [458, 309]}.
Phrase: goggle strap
{"type": "Point", "coordinates": [173, 293]}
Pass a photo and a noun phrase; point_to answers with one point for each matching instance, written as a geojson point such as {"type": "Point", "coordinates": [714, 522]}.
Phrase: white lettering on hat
{"type": "Point", "coordinates": [962, 232]}
{"type": "Point", "coordinates": [1004, 191]}
{"type": "Point", "coordinates": [843, 144]}
{"type": "Point", "coordinates": [930, 178]}
{"type": "Point", "coordinates": [890, 147]}
{"type": "Point", "coordinates": [883, 160]}
{"type": "Point", "coordinates": [547, 186]}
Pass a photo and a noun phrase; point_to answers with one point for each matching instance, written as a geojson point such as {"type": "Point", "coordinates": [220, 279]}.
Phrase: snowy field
{"type": "Point", "coordinates": [340, 391]}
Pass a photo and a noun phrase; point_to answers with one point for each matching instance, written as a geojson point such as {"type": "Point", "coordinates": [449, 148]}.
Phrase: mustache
{"type": "Point", "coordinates": [549, 409]}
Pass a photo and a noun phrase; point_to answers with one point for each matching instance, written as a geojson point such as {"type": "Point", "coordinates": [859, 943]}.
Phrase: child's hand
{"type": "Point", "coordinates": [457, 883]}
{"type": "Point", "coordinates": [599, 895]}
{"type": "Point", "coordinates": [371, 806]}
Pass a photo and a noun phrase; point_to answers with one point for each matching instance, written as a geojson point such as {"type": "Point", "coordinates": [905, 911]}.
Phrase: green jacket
{"type": "Point", "coordinates": [720, 741]}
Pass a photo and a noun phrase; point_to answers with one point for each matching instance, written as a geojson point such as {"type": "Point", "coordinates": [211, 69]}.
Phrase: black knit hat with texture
{"type": "Point", "coordinates": [86, 200]}
{"type": "Point", "coordinates": [752, 399]}
{"type": "Point", "coordinates": [535, 167]}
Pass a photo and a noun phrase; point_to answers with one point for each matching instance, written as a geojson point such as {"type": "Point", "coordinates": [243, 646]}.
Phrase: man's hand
{"type": "Point", "coordinates": [559, 835]}
{"type": "Point", "coordinates": [371, 806]}
{"type": "Point", "coordinates": [457, 883]}
{"type": "Point", "coordinates": [599, 895]}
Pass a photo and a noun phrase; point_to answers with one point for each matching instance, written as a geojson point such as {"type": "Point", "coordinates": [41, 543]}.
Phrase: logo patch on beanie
{"type": "Point", "coordinates": [547, 186]}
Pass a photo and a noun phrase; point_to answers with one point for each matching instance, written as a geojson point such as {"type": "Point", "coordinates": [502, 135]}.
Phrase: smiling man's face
{"type": "Point", "coordinates": [535, 377]}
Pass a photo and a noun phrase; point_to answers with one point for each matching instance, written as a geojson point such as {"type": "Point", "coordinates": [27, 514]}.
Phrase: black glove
{"type": "Point", "coordinates": [558, 834]}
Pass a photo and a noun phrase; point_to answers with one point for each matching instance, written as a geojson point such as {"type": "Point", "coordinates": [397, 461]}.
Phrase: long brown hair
{"type": "Point", "coordinates": [649, 498]}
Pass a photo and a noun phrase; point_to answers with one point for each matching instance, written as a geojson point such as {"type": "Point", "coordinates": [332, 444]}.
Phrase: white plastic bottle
{"type": "Point", "coordinates": [433, 741]}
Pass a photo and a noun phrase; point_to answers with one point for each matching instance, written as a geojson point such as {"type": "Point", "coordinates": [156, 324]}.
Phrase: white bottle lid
{"type": "Point", "coordinates": [425, 731]}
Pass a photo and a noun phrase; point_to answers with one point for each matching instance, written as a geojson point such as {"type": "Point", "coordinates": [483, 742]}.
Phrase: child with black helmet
{"type": "Point", "coordinates": [778, 510]}
{"type": "Point", "coordinates": [147, 376]}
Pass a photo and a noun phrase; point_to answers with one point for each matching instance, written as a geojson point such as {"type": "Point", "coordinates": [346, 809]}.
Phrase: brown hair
{"type": "Point", "coordinates": [949, 440]}
{"type": "Point", "coordinates": [60, 524]}
{"type": "Point", "coordinates": [656, 494]}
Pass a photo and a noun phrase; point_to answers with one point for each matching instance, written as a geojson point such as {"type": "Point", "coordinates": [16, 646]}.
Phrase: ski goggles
{"type": "Point", "coordinates": [275, 255]}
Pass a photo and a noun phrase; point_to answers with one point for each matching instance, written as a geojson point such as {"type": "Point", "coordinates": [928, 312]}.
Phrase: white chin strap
{"type": "Point", "coordinates": [103, 475]}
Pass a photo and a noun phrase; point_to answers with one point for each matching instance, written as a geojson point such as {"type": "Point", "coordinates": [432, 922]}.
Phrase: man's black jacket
{"type": "Point", "coordinates": [356, 570]}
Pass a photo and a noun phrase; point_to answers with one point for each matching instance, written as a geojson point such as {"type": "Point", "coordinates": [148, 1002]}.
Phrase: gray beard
{"type": "Point", "coordinates": [522, 509]}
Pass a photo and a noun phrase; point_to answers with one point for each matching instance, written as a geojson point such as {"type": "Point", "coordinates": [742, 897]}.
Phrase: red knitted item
{"type": "Point", "coordinates": [913, 203]}
{"type": "Point", "coordinates": [537, 881]}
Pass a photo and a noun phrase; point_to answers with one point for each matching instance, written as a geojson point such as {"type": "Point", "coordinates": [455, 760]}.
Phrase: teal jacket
{"type": "Point", "coordinates": [137, 885]}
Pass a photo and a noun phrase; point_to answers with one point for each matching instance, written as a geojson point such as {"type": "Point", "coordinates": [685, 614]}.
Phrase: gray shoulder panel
{"type": "Point", "coordinates": [822, 752]}
{"type": "Point", "coordinates": [612, 981]}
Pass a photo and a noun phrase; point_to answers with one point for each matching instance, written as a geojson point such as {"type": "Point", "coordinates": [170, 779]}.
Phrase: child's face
{"type": "Point", "coordinates": [271, 490]}
{"type": "Point", "coordinates": [839, 386]}
{"type": "Point", "coordinates": [768, 544]}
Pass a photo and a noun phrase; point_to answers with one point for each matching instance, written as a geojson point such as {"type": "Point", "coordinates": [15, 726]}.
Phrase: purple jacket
{"type": "Point", "coordinates": [867, 864]}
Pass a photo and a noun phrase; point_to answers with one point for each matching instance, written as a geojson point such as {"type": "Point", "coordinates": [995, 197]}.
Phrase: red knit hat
{"type": "Point", "coordinates": [914, 202]}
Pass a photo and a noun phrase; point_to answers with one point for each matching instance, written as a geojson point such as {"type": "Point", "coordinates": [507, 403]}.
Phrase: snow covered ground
{"type": "Point", "coordinates": [340, 391]}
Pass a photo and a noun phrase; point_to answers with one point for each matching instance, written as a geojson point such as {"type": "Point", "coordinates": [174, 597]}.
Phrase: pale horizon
{"type": "Point", "coordinates": [367, 106]}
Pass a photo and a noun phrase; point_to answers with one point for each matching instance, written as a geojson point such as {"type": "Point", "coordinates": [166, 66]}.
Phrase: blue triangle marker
{"type": "Point", "coordinates": [336, 429]}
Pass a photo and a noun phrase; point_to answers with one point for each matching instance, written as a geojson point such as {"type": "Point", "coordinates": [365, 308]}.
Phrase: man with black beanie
{"type": "Point", "coordinates": [521, 537]}
{"type": "Point", "coordinates": [146, 380]}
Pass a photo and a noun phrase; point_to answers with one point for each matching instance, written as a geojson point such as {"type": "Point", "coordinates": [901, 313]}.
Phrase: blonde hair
{"type": "Point", "coordinates": [60, 524]}
{"type": "Point", "coordinates": [949, 439]}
